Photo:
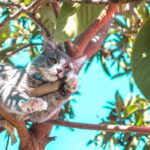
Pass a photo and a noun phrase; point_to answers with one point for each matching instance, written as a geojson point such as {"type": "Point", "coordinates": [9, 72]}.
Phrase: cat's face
{"type": "Point", "coordinates": [53, 65]}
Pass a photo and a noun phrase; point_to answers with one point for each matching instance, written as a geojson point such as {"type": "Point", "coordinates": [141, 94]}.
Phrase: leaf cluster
{"type": "Point", "coordinates": [132, 111]}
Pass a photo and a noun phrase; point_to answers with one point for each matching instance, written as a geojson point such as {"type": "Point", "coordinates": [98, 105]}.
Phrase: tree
{"type": "Point", "coordinates": [27, 22]}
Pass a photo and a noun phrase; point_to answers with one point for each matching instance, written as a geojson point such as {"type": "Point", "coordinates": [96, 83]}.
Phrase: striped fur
{"type": "Point", "coordinates": [47, 67]}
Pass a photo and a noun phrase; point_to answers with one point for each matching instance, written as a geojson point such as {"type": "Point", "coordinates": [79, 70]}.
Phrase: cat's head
{"type": "Point", "coordinates": [52, 65]}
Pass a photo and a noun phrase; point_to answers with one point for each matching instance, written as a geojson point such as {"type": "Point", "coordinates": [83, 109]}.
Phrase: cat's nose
{"type": "Point", "coordinates": [59, 70]}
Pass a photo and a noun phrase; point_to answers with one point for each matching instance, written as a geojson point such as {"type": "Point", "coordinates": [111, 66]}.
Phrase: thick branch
{"type": "Point", "coordinates": [97, 41]}
{"type": "Point", "coordinates": [56, 6]}
{"type": "Point", "coordinates": [42, 130]}
{"type": "Point", "coordinates": [96, 26]}
{"type": "Point", "coordinates": [91, 31]}
{"type": "Point", "coordinates": [103, 127]}
{"type": "Point", "coordinates": [20, 125]}
{"type": "Point", "coordinates": [44, 89]}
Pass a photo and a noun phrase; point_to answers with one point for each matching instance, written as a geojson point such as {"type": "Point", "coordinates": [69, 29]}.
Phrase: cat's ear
{"type": "Point", "coordinates": [77, 63]}
{"type": "Point", "coordinates": [49, 45]}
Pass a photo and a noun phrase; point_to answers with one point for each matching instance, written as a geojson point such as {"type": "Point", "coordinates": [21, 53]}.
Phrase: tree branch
{"type": "Point", "coordinates": [19, 125]}
{"type": "Point", "coordinates": [42, 130]}
{"type": "Point", "coordinates": [103, 127]}
{"type": "Point", "coordinates": [22, 9]}
{"type": "Point", "coordinates": [44, 30]}
{"type": "Point", "coordinates": [21, 48]}
{"type": "Point", "coordinates": [56, 6]}
{"type": "Point", "coordinates": [91, 31]}
{"type": "Point", "coordinates": [101, 1]}
{"type": "Point", "coordinates": [43, 89]}
{"type": "Point", "coordinates": [9, 4]}
{"type": "Point", "coordinates": [95, 44]}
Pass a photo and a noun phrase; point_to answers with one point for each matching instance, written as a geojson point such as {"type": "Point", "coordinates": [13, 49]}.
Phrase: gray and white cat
{"type": "Point", "coordinates": [50, 66]}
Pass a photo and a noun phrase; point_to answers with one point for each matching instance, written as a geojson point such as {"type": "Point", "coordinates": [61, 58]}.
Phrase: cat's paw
{"type": "Point", "coordinates": [71, 84]}
{"type": "Point", "coordinates": [33, 105]}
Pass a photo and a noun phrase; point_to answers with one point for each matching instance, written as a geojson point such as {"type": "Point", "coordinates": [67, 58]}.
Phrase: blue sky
{"type": "Point", "coordinates": [96, 88]}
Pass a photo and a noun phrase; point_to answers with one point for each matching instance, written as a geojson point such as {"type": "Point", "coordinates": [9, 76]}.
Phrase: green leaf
{"type": "Point", "coordinates": [74, 19]}
{"type": "Point", "coordinates": [131, 84]}
{"type": "Point", "coordinates": [89, 63]}
{"type": "Point", "coordinates": [104, 65]}
{"type": "Point", "coordinates": [130, 110]}
{"type": "Point", "coordinates": [141, 59]}
{"type": "Point", "coordinates": [47, 16]}
{"type": "Point", "coordinates": [143, 10]}
{"type": "Point", "coordinates": [25, 2]}
{"type": "Point", "coordinates": [4, 33]}
{"type": "Point", "coordinates": [119, 102]}
{"type": "Point", "coordinates": [139, 119]}
{"type": "Point", "coordinates": [118, 75]}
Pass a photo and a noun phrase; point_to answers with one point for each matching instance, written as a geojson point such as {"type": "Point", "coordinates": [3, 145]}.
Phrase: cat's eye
{"type": "Point", "coordinates": [53, 60]}
{"type": "Point", "coordinates": [67, 68]}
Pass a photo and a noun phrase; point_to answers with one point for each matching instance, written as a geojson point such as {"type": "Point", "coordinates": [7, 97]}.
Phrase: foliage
{"type": "Point", "coordinates": [114, 55]}
{"type": "Point", "coordinates": [140, 59]}
{"type": "Point", "coordinates": [132, 111]}
{"type": "Point", "coordinates": [117, 53]}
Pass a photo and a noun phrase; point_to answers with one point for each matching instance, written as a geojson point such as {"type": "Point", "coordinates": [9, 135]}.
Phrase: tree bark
{"type": "Point", "coordinates": [37, 136]}
{"type": "Point", "coordinates": [33, 144]}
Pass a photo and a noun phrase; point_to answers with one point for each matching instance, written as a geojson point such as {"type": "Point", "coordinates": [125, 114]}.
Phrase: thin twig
{"type": "Point", "coordinates": [27, 10]}
{"type": "Point", "coordinates": [44, 29]}
{"type": "Point", "coordinates": [21, 48]}
{"type": "Point", "coordinates": [9, 4]}
{"type": "Point", "coordinates": [103, 127]}
{"type": "Point", "coordinates": [101, 1]}
{"type": "Point", "coordinates": [22, 9]}
{"type": "Point", "coordinates": [7, 142]}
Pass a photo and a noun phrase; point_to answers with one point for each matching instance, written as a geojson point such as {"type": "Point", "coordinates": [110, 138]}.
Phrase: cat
{"type": "Point", "coordinates": [51, 65]}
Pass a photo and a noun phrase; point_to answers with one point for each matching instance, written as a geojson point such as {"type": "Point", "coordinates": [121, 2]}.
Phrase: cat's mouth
{"type": "Point", "coordinates": [56, 76]}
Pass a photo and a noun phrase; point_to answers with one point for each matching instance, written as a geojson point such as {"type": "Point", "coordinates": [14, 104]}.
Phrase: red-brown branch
{"type": "Point", "coordinates": [40, 132]}
{"type": "Point", "coordinates": [56, 6]}
{"type": "Point", "coordinates": [85, 40]}
{"type": "Point", "coordinates": [103, 127]}
{"type": "Point", "coordinates": [101, 1]}
{"type": "Point", "coordinates": [91, 31]}
{"type": "Point", "coordinates": [20, 125]}
{"type": "Point", "coordinates": [95, 44]}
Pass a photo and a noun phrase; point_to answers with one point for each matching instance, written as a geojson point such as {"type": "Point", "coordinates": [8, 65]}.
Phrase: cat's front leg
{"type": "Point", "coordinates": [70, 86]}
{"type": "Point", "coordinates": [32, 105]}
